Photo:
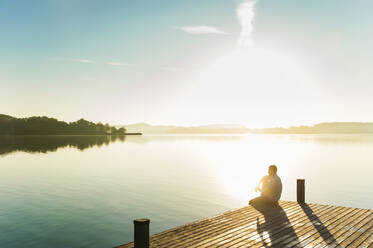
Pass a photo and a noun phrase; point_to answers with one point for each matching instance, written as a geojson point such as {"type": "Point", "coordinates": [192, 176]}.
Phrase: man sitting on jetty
{"type": "Point", "coordinates": [271, 188]}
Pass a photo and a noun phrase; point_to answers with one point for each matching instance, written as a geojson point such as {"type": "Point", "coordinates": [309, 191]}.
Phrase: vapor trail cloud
{"type": "Point", "coordinates": [246, 13]}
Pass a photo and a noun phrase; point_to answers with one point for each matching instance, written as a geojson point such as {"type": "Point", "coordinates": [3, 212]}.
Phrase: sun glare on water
{"type": "Point", "coordinates": [241, 163]}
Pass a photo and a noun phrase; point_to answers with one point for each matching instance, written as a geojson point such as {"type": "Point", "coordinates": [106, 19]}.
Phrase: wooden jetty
{"type": "Point", "coordinates": [290, 224]}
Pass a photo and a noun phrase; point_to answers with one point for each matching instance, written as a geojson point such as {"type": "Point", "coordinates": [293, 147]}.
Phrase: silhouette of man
{"type": "Point", "coordinates": [271, 188]}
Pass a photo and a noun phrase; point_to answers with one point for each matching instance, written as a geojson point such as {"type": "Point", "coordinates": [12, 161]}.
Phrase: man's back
{"type": "Point", "coordinates": [272, 187]}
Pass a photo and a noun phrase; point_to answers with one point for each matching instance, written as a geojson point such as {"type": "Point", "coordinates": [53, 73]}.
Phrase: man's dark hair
{"type": "Point", "coordinates": [273, 167]}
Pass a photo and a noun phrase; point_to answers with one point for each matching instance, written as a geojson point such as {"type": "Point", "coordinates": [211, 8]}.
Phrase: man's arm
{"type": "Point", "coordinates": [257, 188]}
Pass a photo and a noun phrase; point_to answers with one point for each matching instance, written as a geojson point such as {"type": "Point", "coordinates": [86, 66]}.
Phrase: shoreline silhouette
{"type": "Point", "coordinates": [37, 125]}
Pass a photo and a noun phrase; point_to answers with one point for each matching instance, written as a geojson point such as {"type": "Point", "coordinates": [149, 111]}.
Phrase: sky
{"type": "Point", "coordinates": [264, 63]}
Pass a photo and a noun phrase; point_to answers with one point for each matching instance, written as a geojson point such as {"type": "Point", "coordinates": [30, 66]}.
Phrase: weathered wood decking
{"type": "Point", "coordinates": [289, 225]}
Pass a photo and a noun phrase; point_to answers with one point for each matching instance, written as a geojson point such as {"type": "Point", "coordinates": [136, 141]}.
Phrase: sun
{"type": "Point", "coordinates": [251, 71]}
{"type": "Point", "coordinates": [254, 85]}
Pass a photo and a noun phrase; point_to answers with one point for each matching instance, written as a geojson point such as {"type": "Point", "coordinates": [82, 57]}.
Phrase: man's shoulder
{"type": "Point", "coordinates": [278, 178]}
{"type": "Point", "coordinates": [265, 178]}
{"type": "Point", "coordinates": [274, 178]}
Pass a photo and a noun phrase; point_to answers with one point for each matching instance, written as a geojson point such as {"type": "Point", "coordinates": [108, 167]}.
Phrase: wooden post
{"type": "Point", "coordinates": [300, 191]}
{"type": "Point", "coordinates": [141, 233]}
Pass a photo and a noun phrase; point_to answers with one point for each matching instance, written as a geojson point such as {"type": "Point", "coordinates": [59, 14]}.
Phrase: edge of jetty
{"type": "Point", "coordinates": [290, 224]}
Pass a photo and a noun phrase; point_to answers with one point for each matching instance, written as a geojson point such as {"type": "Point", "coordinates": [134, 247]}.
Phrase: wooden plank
{"type": "Point", "coordinates": [200, 224]}
{"type": "Point", "coordinates": [291, 225]}
{"type": "Point", "coordinates": [183, 231]}
{"type": "Point", "coordinates": [366, 234]}
{"type": "Point", "coordinates": [337, 230]}
{"type": "Point", "coordinates": [231, 236]}
{"type": "Point", "coordinates": [193, 228]}
{"type": "Point", "coordinates": [323, 232]}
{"type": "Point", "coordinates": [235, 235]}
{"type": "Point", "coordinates": [351, 232]}
{"type": "Point", "coordinates": [214, 228]}
{"type": "Point", "coordinates": [179, 234]}
{"type": "Point", "coordinates": [198, 237]}
{"type": "Point", "coordinates": [362, 243]}
{"type": "Point", "coordinates": [307, 228]}
{"type": "Point", "coordinates": [320, 231]}
{"type": "Point", "coordinates": [276, 230]}
{"type": "Point", "coordinates": [229, 240]}
{"type": "Point", "coordinates": [221, 227]}
{"type": "Point", "coordinates": [370, 245]}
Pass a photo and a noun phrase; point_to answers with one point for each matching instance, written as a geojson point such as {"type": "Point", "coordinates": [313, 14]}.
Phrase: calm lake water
{"type": "Point", "coordinates": [61, 191]}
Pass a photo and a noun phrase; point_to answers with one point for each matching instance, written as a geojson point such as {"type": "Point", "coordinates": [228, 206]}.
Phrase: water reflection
{"type": "Point", "coordinates": [177, 138]}
{"type": "Point", "coordinates": [97, 193]}
{"type": "Point", "coordinates": [326, 139]}
{"type": "Point", "coordinates": [332, 139]}
{"type": "Point", "coordinates": [44, 144]}
{"type": "Point", "coordinates": [50, 143]}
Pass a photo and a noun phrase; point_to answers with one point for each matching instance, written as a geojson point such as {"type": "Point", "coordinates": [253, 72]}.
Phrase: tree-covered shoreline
{"type": "Point", "coordinates": [50, 126]}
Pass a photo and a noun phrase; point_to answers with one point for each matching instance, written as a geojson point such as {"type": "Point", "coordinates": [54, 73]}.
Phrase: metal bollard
{"type": "Point", "coordinates": [300, 191]}
{"type": "Point", "coordinates": [141, 233]}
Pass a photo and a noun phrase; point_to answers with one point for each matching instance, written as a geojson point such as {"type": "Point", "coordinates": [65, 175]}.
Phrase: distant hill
{"type": "Point", "coordinates": [6, 117]}
{"type": "Point", "coordinates": [49, 126]}
{"type": "Point", "coordinates": [328, 127]}
{"type": "Point", "coordinates": [206, 129]}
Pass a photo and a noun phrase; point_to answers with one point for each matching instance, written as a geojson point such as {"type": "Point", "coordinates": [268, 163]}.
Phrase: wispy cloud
{"type": "Point", "coordinates": [89, 61]}
{"type": "Point", "coordinates": [112, 63]}
{"type": "Point", "coordinates": [117, 64]}
{"type": "Point", "coordinates": [246, 13]}
{"type": "Point", "coordinates": [202, 30]}
{"type": "Point", "coordinates": [172, 69]}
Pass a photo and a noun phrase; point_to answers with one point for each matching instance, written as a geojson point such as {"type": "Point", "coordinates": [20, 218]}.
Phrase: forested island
{"type": "Point", "coordinates": [49, 126]}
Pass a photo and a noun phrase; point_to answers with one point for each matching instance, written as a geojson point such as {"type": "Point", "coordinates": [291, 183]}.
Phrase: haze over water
{"type": "Point", "coordinates": [88, 197]}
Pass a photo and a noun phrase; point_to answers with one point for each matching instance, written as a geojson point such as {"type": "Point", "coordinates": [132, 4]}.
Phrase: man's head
{"type": "Point", "coordinates": [272, 170]}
